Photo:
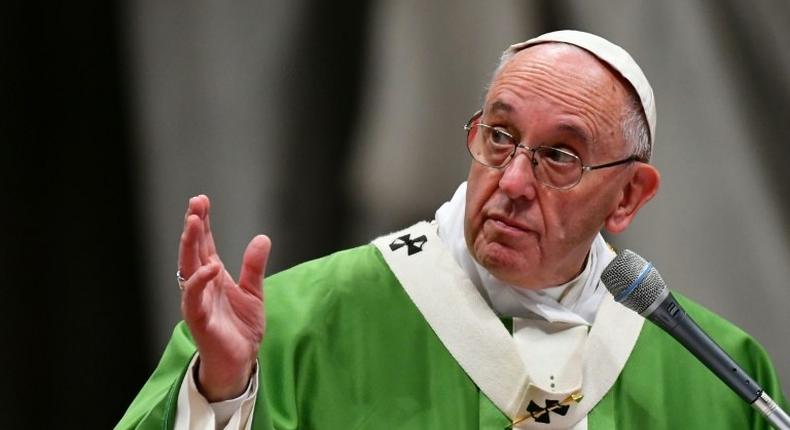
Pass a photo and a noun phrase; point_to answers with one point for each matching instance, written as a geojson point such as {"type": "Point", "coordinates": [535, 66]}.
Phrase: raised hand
{"type": "Point", "coordinates": [225, 318]}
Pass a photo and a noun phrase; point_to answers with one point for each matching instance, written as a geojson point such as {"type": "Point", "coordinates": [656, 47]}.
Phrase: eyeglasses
{"type": "Point", "coordinates": [554, 167]}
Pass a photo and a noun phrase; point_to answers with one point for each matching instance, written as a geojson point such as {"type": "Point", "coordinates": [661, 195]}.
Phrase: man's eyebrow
{"type": "Point", "coordinates": [498, 106]}
{"type": "Point", "coordinates": [501, 107]}
{"type": "Point", "coordinates": [574, 129]}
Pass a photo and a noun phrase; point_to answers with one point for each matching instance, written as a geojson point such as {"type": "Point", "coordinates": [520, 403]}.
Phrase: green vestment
{"type": "Point", "coordinates": [346, 348]}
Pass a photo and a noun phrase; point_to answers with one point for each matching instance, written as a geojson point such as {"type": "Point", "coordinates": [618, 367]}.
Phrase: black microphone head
{"type": "Point", "coordinates": [634, 282]}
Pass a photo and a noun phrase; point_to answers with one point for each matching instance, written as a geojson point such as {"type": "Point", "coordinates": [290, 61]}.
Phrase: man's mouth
{"type": "Point", "coordinates": [508, 224]}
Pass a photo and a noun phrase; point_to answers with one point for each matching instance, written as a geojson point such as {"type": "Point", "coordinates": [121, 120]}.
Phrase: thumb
{"type": "Point", "coordinates": [253, 264]}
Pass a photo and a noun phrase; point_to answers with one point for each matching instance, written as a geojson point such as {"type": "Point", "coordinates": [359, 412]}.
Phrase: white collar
{"type": "Point", "coordinates": [575, 302]}
{"type": "Point", "coordinates": [474, 335]}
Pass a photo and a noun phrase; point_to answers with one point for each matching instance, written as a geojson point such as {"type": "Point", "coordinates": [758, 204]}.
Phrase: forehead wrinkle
{"type": "Point", "coordinates": [560, 88]}
{"type": "Point", "coordinates": [590, 117]}
{"type": "Point", "coordinates": [580, 94]}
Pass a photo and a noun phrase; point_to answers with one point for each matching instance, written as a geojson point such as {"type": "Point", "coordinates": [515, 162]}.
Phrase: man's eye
{"type": "Point", "coordinates": [499, 137]}
{"type": "Point", "coordinates": [559, 157]}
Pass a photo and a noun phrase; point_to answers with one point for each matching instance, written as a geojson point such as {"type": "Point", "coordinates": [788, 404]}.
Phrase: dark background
{"type": "Point", "coordinates": [73, 351]}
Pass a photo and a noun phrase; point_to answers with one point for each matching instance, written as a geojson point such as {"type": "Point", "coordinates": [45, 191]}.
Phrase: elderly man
{"type": "Point", "coordinates": [492, 316]}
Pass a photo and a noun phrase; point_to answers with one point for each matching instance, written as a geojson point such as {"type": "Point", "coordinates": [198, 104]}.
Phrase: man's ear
{"type": "Point", "coordinates": [639, 190]}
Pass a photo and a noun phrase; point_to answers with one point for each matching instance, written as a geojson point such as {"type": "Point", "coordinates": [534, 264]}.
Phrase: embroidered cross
{"type": "Point", "coordinates": [541, 414]}
{"type": "Point", "coordinates": [413, 245]}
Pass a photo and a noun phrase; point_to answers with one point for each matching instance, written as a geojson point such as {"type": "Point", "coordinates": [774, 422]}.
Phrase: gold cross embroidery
{"type": "Point", "coordinates": [573, 398]}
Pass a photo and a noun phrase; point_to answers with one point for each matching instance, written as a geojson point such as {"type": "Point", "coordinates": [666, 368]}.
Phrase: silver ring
{"type": "Point", "coordinates": [180, 280]}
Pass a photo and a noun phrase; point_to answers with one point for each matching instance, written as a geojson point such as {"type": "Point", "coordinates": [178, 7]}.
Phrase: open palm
{"type": "Point", "coordinates": [225, 318]}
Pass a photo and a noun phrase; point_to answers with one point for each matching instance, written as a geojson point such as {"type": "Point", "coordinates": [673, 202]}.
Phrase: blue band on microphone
{"type": "Point", "coordinates": [627, 292]}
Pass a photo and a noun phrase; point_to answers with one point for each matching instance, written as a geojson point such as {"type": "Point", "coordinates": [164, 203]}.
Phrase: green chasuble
{"type": "Point", "coordinates": [346, 348]}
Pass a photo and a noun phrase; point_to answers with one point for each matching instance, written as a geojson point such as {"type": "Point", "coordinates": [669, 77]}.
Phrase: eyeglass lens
{"type": "Point", "coordinates": [494, 148]}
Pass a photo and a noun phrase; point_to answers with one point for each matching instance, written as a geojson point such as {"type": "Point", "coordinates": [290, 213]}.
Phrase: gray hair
{"type": "Point", "coordinates": [635, 129]}
{"type": "Point", "coordinates": [633, 121]}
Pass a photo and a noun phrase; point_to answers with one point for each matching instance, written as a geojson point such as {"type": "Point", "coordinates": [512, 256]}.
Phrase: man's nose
{"type": "Point", "coordinates": [518, 179]}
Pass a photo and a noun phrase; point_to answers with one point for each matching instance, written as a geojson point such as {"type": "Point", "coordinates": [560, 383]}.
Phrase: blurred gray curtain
{"type": "Point", "coordinates": [325, 127]}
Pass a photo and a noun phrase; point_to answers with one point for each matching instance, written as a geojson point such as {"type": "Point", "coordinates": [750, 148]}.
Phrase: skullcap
{"type": "Point", "coordinates": [611, 54]}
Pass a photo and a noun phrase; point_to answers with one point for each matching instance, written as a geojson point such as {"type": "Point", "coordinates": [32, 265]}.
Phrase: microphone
{"type": "Point", "coordinates": [636, 284]}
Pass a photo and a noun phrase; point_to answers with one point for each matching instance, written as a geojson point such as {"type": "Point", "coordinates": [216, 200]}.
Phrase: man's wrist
{"type": "Point", "coordinates": [224, 385]}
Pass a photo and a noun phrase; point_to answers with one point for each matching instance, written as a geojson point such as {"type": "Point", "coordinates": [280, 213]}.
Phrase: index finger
{"type": "Point", "coordinates": [188, 247]}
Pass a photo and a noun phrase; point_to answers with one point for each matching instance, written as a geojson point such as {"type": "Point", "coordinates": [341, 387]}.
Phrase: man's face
{"type": "Point", "coordinates": [523, 232]}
